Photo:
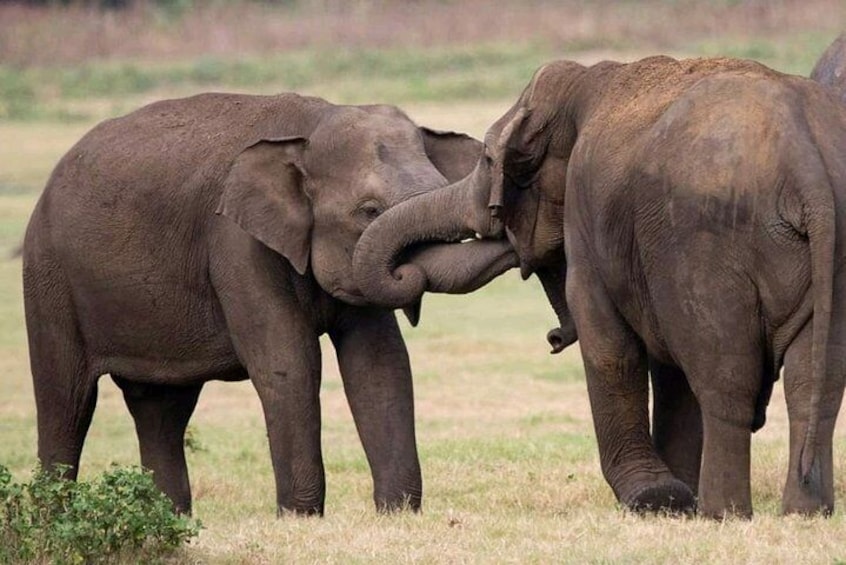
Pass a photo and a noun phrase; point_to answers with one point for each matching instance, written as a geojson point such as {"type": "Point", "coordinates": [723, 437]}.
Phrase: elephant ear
{"type": "Point", "coordinates": [516, 147]}
{"type": "Point", "coordinates": [523, 146]}
{"type": "Point", "coordinates": [263, 193]}
{"type": "Point", "coordinates": [525, 139]}
{"type": "Point", "coordinates": [454, 154]}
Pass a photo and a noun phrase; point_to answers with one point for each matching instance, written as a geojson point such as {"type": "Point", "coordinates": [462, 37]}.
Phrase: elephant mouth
{"type": "Point", "coordinates": [354, 298]}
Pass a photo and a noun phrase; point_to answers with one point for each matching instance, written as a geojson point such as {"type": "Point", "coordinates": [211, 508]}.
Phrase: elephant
{"type": "Point", "coordinates": [830, 69]}
{"type": "Point", "coordinates": [211, 238]}
{"type": "Point", "coordinates": [687, 218]}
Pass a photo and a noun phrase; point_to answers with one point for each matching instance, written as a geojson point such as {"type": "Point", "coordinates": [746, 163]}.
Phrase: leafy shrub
{"type": "Point", "coordinates": [119, 513]}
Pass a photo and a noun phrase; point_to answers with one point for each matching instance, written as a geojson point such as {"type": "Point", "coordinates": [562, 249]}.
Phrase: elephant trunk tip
{"type": "Point", "coordinates": [555, 340]}
{"type": "Point", "coordinates": [496, 224]}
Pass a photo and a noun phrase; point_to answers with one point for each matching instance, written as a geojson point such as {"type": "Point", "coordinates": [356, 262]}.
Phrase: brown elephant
{"type": "Point", "coordinates": [212, 238]}
{"type": "Point", "coordinates": [831, 67]}
{"type": "Point", "coordinates": [692, 214]}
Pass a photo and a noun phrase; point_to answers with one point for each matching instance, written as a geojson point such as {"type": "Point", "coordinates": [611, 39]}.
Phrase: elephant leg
{"type": "Point", "coordinates": [276, 339]}
{"type": "Point", "coordinates": [377, 380]}
{"type": "Point", "coordinates": [283, 361]}
{"type": "Point", "coordinates": [288, 385]}
{"type": "Point", "coordinates": [64, 417]}
{"type": "Point", "coordinates": [64, 384]}
{"type": "Point", "coordinates": [816, 495]}
{"type": "Point", "coordinates": [720, 346]}
{"type": "Point", "coordinates": [615, 366]}
{"type": "Point", "coordinates": [676, 423]}
{"type": "Point", "coordinates": [161, 414]}
{"type": "Point", "coordinates": [724, 481]}
{"type": "Point", "coordinates": [728, 382]}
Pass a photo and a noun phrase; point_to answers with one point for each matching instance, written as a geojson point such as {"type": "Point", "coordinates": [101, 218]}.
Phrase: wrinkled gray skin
{"type": "Point", "coordinates": [690, 218]}
{"type": "Point", "coordinates": [830, 69]}
{"type": "Point", "coordinates": [212, 238]}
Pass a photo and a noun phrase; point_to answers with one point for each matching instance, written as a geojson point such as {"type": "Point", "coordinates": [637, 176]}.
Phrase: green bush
{"type": "Point", "coordinates": [121, 513]}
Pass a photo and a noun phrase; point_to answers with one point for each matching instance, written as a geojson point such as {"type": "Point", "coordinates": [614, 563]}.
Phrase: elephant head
{"type": "Point", "coordinates": [311, 197]}
{"type": "Point", "coordinates": [831, 67]}
{"type": "Point", "coordinates": [516, 189]}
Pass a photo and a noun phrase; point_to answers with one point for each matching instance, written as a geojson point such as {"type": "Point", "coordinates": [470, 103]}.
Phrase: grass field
{"type": "Point", "coordinates": [511, 472]}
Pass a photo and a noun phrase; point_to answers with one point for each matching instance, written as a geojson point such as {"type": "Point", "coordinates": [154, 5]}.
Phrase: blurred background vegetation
{"type": "Point", "coordinates": [87, 59]}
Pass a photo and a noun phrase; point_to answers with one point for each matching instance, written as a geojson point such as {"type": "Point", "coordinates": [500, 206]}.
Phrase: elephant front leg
{"type": "Point", "coordinates": [619, 399]}
{"type": "Point", "coordinates": [377, 380]}
{"type": "Point", "coordinates": [615, 367]}
{"type": "Point", "coordinates": [286, 376]}
{"type": "Point", "coordinates": [275, 338]}
{"type": "Point", "coordinates": [676, 423]}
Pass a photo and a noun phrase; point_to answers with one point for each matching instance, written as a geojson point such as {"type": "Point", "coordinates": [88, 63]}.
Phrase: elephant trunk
{"type": "Point", "coordinates": [553, 280]}
{"type": "Point", "coordinates": [459, 268]}
{"type": "Point", "coordinates": [444, 216]}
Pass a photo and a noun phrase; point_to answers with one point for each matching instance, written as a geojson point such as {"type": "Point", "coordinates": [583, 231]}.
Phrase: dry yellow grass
{"type": "Point", "coordinates": [511, 472]}
{"type": "Point", "coordinates": [510, 466]}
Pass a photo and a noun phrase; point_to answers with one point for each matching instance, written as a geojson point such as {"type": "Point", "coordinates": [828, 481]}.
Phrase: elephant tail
{"type": "Point", "coordinates": [819, 223]}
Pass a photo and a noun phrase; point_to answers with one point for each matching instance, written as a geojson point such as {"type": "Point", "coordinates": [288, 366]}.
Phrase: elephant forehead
{"type": "Point", "coordinates": [359, 128]}
{"type": "Point", "coordinates": [341, 151]}
{"type": "Point", "coordinates": [394, 183]}
{"type": "Point", "coordinates": [337, 192]}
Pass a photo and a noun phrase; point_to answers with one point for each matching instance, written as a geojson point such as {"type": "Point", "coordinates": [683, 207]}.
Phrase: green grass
{"type": "Point", "coordinates": [795, 54]}
{"type": "Point", "coordinates": [350, 75]}
{"type": "Point", "coordinates": [96, 90]}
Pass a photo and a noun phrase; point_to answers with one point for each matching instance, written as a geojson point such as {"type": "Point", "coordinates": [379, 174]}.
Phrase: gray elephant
{"type": "Point", "coordinates": [212, 238]}
{"type": "Point", "coordinates": [691, 214]}
{"type": "Point", "coordinates": [831, 67]}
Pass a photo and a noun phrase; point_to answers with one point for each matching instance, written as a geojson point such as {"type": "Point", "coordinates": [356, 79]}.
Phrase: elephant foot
{"type": "Point", "coordinates": [670, 495]}
{"type": "Point", "coordinates": [405, 504]}
{"type": "Point", "coordinates": [304, 511]}
{"type": "Point", "coordinates": [719, 513]}
{"type": "Point", "coordinates": [810, 510]}
{"type": "Point", "coordinates": [808, 497]}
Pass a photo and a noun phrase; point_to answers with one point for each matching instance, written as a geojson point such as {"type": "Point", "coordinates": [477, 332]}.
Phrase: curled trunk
{"type": "Point", "coordinates": [553, 280]}
{"type": "Point", "coordinates": [443, 218]}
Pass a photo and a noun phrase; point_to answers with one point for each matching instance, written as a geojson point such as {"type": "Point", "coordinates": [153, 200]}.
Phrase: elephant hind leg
{"type": "Point", "coordinates": [727, 385]}
{"type": "Point", "coordinates": [64, 383]}
{"type": "Point", "coordinates": [816, 495]}
{"type": "Point", "coordinates": [676, 423]}
{"type": "Point", "coordinates": [161, 415]}
{"type": "Point", "coordinates": [64, 416]}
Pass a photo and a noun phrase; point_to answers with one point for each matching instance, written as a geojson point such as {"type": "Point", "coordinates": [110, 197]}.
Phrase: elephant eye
{"type": "Point", "coordinates": [369, 210]}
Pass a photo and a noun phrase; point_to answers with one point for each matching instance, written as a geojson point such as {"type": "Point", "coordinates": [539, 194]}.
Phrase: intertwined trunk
{"type": "Point", "coordinates": [417, 245]}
